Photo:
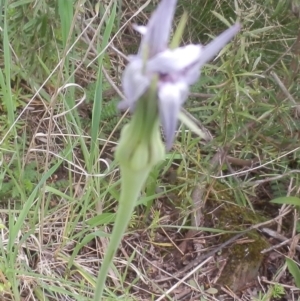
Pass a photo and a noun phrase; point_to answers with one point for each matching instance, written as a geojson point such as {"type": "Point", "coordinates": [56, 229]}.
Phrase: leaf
{"type": "Point", "coordinates": [289, 200]}
{"type": "Point", "coordinates": [211, 291]}
{"type": "Point", "coordinates": [221, 18]}
{"type": "Point", "coordinates": [179, 31]}
{"type": "Point", "coordinates": [193, 284]}
{"type": "Point", "coordinates": [192, 125]}
{"type": "Point", "coordinates": [254, 33]}
{"type": "Point", "coordinates": [102, 219]}
{"type": "Point", "coordinates": [247, 115]}
{"type": "Point", "coordinates": [294, 270]}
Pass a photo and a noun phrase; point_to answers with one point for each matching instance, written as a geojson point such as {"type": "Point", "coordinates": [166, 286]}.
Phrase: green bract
{"type": "Point", "coordinates": [140, 145]}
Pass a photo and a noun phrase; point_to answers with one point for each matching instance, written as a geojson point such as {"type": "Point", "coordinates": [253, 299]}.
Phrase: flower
{"type": "Point", "coordinates": [176, 69]}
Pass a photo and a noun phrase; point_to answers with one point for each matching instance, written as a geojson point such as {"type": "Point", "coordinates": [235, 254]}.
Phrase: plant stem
{"type": "Point", "coordinates": [131, 185]}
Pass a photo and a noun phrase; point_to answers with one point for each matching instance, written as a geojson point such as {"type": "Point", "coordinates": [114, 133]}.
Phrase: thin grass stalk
{"type": "Point", "coordinates": [97, 105]}
{"type": "Point", "coordinates": [5, 77]}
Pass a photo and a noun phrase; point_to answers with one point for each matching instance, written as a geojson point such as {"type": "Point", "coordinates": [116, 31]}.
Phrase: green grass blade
{"type": "Point", "coordinates": [97, 105]}
{"type": "Point", "coordinates": [5, 75]}
{"type": "Point", "coordinates": [294, 270]}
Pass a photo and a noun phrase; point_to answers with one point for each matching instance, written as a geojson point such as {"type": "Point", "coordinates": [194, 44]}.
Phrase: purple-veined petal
{"type": "Point", "coordinates": [157, 35]}
{"type": "Point", "coordinates": [174, 61]}
{"type": "Point", "coordinates": [134, 83]}
{"type": "Point", "coordinates": [170, 98]}
{"type": "Point", "coordinates": [213, 48]}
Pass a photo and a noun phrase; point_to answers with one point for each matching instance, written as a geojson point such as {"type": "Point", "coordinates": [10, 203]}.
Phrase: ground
{"type": "Point", "coordinates": [59, 184]}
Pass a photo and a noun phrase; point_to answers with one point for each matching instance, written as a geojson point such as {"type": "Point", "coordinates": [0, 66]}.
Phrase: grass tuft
{"type": "Point", "coordinates": [61, 65]}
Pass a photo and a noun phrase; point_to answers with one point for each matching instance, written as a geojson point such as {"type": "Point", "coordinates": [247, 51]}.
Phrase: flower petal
{"type": "Point", "coordinates": [176, 60]}
{"type": "Point", "coordinates": [140, 28]}
{"type": "Point", "coordinates": [213, 48]}
{"type": "Point", "coordinates": [171, 97]}
{"type": "Point", "coordinates": [134, 83]}
{"type": "Point", "coordinates": [185, 63]}
{"type": "Point", "coordinates": [157, 35]}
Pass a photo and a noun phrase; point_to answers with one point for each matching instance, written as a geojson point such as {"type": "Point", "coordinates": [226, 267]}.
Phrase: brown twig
{"type": "Point", "coordinates": [279, 237]}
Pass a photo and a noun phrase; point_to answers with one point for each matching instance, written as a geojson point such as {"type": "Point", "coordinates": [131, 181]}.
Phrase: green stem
{"type": "Point", "coordinates": [131, 185]}
{"type": "Point", "coordinates": [139, 150]}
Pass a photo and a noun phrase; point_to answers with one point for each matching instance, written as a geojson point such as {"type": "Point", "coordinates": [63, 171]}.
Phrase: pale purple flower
{"type": "Point", "coordinates": [176, 69]}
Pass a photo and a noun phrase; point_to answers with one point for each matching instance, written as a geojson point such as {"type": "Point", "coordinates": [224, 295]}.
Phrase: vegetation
{"type": "Point", "coordinates": [61, 64]}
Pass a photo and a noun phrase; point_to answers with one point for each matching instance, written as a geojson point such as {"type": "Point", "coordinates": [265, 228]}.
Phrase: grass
{"type": "Point", "coordinates": [61, 64]}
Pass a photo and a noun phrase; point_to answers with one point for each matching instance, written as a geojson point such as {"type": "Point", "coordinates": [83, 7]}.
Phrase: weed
{"type": "Point", "coordinates": [59, 184]}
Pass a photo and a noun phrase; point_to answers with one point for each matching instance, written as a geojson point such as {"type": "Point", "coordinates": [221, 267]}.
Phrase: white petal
{"type": "Point", "coordinates": [192, 73]}
{"type": "Point", "coordinates": [184, 63]}
{"type": "Point", "coordinates": [175, 61]}
{"type": "Point", "coordinates": [140, 28]}
{"type": "Point", "coordinates": [213, 48]}
{"type": "Point", "coordinates": [158, 30]}
{"type": "Point", "coordinates": [171, 97]}
{"type": "Point", "coordinates": [134, 83]}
